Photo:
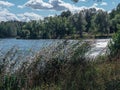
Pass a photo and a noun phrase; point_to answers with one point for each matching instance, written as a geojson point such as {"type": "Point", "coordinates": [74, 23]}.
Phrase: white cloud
{"type": "Point", "coordinates": [50, 5]}
{"type": "Point", "coordinates": [51, 15]}
{"type": "Point", "coordinates": [82, 0]}
{"type": "Point", "coordinates": [58, 5]}
{"type": "Point", "coordinates": [103, 4]}
{"type": "Point", "coordinates": [28, 16]}
{"type": "Point", "coordinates": [6, 4]}
{"type": "Point", "coordinates": [95, 5]}
{"type": "Point", "coordinates": [5, 15]}
{"type": "Point", "coordinates": [38, 4]}
{"type": "Point", "coordinates": [20, 6]}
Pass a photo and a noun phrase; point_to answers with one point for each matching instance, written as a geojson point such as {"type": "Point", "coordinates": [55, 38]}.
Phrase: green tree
{"type": "Point", "coordinates": [115, 23]}
{"type": "Point", "coordinates": [80, 23]}
{"type": "Point", "coordinates": [66, 13]}
{"type": "Point", "coordinates": [102, 22]}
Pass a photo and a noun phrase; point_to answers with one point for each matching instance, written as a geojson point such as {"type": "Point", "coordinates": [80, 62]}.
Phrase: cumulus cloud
{"type": "Point", "coordinates": [28, 16]}
{"type": "Point", "coordinates": [103, 4]}
{"type": "Point", "coordinates": [60, 5]}
{"type": "Point", "coordinates": [57, 5]}
{"type": "Point", "coordinates": [38, 4]}
{"type": "Point", "coordinates": [6, 4]}
{"type": "Point", "coordinates": [5, 15]}
{"type": "Point", "coordinates": [50, 5]}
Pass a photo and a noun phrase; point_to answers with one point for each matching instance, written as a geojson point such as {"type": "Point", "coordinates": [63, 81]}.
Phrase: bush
{"type": "Point", "coordinates": [114, 46]}
{"type": "Point", "coordinates": [51, 63]}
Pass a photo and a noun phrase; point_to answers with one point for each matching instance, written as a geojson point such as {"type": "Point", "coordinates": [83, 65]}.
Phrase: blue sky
{"type": "Point", "coordinates": [34, 9]}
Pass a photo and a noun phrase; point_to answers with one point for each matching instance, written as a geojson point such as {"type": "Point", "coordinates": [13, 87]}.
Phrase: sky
{"type": "Point", "coordinates": [26, 10]}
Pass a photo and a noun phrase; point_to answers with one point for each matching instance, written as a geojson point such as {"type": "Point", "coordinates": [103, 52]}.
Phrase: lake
{"type": "Point", "coordinates": [36, 45]}
{"type": "Point", "coordinates": [21, 50]}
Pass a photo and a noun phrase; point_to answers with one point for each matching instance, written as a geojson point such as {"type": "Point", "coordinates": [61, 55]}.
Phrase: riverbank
{"type": "Point", "coordinates": [76, 37]}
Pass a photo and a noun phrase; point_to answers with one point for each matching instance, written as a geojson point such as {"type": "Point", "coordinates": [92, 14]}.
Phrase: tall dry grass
{"type": "Point", "coordinates": [64, 66]}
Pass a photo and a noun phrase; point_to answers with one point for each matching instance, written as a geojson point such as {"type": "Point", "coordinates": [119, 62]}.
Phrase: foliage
{"type": "Point", "coordinates": [114, 46]}
{"type": "Point", "coordinates": [68, 25]}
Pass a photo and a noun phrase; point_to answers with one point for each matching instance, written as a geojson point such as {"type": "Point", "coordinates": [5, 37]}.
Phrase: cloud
{"type": "Point", "coordinates": [95, 5]}
{"type": "Point", "coordinates": [51, 15]}
{"type": "Point", "coordinates": [103, 4]}
{"type": "Point", "coordinates": [37, 4]}
{"type": "Point", "coordinates": [5, 15]}
{"type": "Point", "coordinates": [82, 0]}
{"type": "Point", "coordinates": [57, 5]}
{"type": "Point", "coordinates": [28, 16]}
{"type": "Point", "coordinates": [6, 4]}
{"type": "Point", "coordinates": [20, 6]}
{"type": "Point", "coordinates": [60, 5]}
{"type": "Point", "coordinates": [50, 5]}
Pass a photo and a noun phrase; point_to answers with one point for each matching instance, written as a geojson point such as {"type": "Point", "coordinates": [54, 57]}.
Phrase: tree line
{"type": "Point", "coordinates": [85, 23]}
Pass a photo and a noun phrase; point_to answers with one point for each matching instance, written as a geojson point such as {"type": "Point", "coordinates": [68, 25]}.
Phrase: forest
{"type": "Point", "coordinates": [87, 23]}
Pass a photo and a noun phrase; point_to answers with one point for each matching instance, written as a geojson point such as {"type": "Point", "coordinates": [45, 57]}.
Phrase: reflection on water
{"type": "Point", "coordinates": [99, 47]}
{"type": "Point", "coordinates": [16, 52]}
{"type": "Point", "coordinates": [30, 46]}
{"type": "Point", "coordinates": [6, 44]}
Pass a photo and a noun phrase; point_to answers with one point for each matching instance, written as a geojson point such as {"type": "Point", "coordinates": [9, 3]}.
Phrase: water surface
{"type": "Point", "coordinates": [35, 45]}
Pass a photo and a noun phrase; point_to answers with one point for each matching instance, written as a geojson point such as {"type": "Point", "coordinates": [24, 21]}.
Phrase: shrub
{"type": "Point", "coordinates": [114, 46]}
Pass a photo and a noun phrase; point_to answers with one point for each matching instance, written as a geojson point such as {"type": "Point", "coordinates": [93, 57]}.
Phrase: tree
{"type": "Point", "coordinates": [102, 22]}
{"type": "Point", "coordinates": [25, 34]}
{"type": "Point", "coordinates": [115, 23]}
{"type": "Point", "coordinates": [80, 23]}
{"type": "Point", "coordinates": [114, 46]}
{"type": "Point", "coordinates": [89, 14]}
{"type": "Point", "coordinates": [66, 13]}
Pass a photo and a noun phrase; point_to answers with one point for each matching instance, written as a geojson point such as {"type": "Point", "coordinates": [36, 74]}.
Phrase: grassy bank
{"type": "Point", "coordinates": [64, 67]}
